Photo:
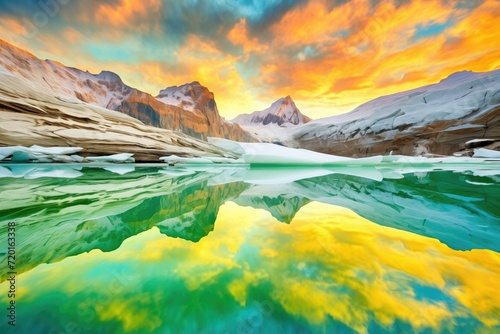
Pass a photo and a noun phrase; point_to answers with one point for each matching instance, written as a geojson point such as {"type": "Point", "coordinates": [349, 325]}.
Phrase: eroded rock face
{"type": "Point", "coordinates": [105, 89]}
{"type": "Point", "coordinates": [202, 122]}
{"type": "Point", "coordinates": [30, 115]}
{"type": "Point", "coordinates": [198, 118]}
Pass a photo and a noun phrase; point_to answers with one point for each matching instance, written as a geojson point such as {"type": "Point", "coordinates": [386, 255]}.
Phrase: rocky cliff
{"type": "Point", "coordinates": [31, 115]}
{"type": "Point", "coordinates": [200, 119]}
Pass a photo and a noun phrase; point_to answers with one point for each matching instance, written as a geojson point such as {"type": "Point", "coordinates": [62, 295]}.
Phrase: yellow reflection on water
{"type": "Point", "coordinates": [329, 262]}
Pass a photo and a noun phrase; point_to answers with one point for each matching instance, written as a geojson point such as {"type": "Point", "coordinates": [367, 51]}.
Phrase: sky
{"type": "Point", "coordinates": [328, 55]}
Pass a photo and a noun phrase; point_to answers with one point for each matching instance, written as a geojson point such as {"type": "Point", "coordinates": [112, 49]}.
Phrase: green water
{"type": "Point", "coordinates": [130, 249]}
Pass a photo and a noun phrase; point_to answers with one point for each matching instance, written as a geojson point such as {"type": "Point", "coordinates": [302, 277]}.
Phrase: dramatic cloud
{"type": "Point", "coordinates": [330, 56]}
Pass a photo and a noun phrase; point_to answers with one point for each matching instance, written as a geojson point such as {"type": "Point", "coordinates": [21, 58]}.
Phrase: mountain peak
{"type": "Point", "coordinates": [109, 76]}
{"type": "Point", "coordinates": [282, 111]}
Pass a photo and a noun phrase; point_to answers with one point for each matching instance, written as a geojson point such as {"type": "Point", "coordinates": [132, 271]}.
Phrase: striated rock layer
{"type": "Point", "coordinates": [191, 108]}
{"type": "Point", "coordinates": [31, 115]}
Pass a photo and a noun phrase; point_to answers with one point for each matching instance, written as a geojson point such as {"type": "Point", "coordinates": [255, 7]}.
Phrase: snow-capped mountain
{"type": "Point", "coordinates": [107, 90]}
{"type": "Point", "coordinates": [179, 96]}
{"type": "Point", "coordinates": [33, 115]}
{"type": "Point", "coordinates": [201, 119]}
{"type": "Point", "coordinates": [438, 119]}
{"type": "Point", "coordinates": [281, 112]}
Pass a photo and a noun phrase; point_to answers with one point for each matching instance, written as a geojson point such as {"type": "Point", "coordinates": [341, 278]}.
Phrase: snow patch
{"type": "Point", "coordinates": [177, 96]}
{"type": "Point", "coordinates": [478, 141]}
{"type": "Point", "coordinates": [282, 111]}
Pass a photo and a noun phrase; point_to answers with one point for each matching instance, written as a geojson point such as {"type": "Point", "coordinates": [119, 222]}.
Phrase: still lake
{"type": "Point", "coordinates": [149, 249]}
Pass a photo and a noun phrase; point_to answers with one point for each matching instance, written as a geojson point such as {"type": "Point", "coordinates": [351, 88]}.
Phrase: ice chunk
{"type": "Point", "coordinates": [264, 153]}
{"type": "Point", "coordinates": [37, 153]}
{"type": "Point", "coordinates": [55, 150]}
{"type": "Point", "coordinates": [485, 153]}
{"type": "Point", "coordinates": [227, 144]}
{"type": "Point", "coordinates": [22, 156]}
{"type": "Point", "coordinates": [121, 157]}
{"type": "Point", "coordinates": [221, 160]}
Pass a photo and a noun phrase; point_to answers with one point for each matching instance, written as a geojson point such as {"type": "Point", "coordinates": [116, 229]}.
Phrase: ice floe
{"type": "Point", "coordinates": [121, 157]}
{"type": "Point", "coordinates": [486, 153]}
{"type": "Point", "coordinates": [37, 153]}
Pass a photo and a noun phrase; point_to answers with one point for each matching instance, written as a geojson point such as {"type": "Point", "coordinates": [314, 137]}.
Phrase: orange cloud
{"type": "Point", "coordinates": [128, 13]}
{"type": "Point", "coordinates": [366, 52]}
{"type": "Point", "coordinates": [238, 35]}
{"type": "Point", "coordinates": [17, 32]}
{"type": "Point", "coordinates": [203, 62]}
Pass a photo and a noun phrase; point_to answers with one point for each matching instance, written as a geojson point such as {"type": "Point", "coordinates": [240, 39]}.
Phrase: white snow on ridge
{"type": "Point", "coordinates": [270, 133]}
{"type": "Point", "coordinates": [177, 96]}
{"type": "Point", "coordinates": [282, 111]}
{"type": "Point", "coordinates": [452, 98]}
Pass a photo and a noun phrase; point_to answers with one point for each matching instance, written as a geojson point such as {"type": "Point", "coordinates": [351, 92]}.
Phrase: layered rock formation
{"type": "Point", "coordinates": [105, 89]}
{"type": "Point", "coordinates": [435, 119]}
{"type": "Point", "coordinates": [199, 119]}
{"type": "Point", "coordinates": [32, 115]}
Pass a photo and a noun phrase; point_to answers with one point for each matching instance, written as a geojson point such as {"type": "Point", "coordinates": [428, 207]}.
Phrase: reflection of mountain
{"type": "Point", "coordinates": [281, 205]}
{"type": "Point", "coordinates": [57, 218]}
{"type": "Point", "coordinates": [440, 205]}
{"type": "Point", "coordinates": [99, 210]}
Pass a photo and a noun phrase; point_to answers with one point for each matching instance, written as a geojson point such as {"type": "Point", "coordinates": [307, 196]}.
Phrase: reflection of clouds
{"type": "Point", "coordinates": [327, 264]}
{"type": "Point", "coordinates": [364, 258]}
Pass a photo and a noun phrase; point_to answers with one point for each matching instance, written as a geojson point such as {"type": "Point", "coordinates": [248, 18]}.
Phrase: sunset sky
{"type": "Point", "coordinates": [330, 56]}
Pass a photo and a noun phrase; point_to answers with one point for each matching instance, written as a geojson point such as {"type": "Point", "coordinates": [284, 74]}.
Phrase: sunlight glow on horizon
{"type": "Point", "coordinates": [329, 57]}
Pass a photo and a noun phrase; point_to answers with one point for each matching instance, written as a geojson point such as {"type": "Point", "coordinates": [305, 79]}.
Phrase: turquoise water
{"type": "Point", "coordinates": [130, 249]}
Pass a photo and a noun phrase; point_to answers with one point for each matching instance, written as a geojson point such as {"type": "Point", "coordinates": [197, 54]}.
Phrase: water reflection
{"type": "Point", "coordinates": [204, 251]}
